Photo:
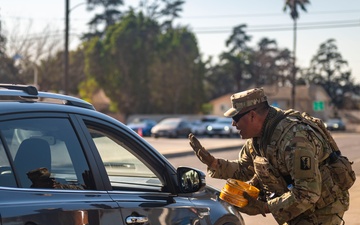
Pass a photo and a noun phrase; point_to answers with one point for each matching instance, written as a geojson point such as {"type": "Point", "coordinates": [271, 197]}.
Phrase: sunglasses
{"type": "Point", "coordinates": [237, 117]}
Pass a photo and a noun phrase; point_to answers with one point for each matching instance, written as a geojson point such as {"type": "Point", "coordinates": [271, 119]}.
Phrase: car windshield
{"type": "Point", "coordinates": [334, 121]}
{"type": "Point", "coordinates": [224, 120]}
{"type": "Point", "coordinates": [144, 121]}
{"type": "Point", "coordinates": [208, 119]}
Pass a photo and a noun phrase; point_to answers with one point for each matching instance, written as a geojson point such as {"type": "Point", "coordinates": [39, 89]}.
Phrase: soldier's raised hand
{"type": "Point", "coordinates": [204, 156]}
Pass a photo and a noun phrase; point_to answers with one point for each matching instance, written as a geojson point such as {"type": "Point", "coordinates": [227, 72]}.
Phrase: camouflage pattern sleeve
{"type": "Point", "coordinates": [299, 154]}
{"type": "Point", "coordinates": [241, 169]}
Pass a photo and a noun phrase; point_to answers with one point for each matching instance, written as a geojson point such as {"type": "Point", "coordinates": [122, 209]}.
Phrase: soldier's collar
{"type": "Point", "coordinates": [271, 114]}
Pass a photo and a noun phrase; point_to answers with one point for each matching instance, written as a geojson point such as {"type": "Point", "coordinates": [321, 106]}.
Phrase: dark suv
{"type": "Point", "coordinates": [64, 163]}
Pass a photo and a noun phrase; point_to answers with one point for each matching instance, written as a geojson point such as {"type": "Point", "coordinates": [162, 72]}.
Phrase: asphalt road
{"type": "Point", "coordinates": [179, 153]}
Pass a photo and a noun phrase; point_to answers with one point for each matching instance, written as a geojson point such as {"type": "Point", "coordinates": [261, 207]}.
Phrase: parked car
{"type": "Point", "coordinates": [205, 121]}
{"type": "Point", "coordinates": [197, 127]}
{"type": "Point", "coordinates": [335, 124]}
{"type": "Point", "coordinates": [171, 128]}
{"type": "Point", "coordinates": [142, 126]}
{"type": "Point", "coordinates": [221, 127]}
{"type": "Point", "coordinates": [66, 163]}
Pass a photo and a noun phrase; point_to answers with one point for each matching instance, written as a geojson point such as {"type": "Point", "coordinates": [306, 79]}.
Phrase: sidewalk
{"type": "Point", "coordinates": [181, 147]}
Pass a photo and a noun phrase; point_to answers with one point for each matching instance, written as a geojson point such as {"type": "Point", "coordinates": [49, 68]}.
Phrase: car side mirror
{"type": "Point", "coordinates": [190, 179]}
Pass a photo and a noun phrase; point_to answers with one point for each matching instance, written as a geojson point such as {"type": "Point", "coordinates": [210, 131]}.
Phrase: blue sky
{"type": "Point", "coordinates": [335, 19]}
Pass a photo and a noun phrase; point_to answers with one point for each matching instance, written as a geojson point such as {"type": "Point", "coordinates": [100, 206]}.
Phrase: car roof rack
{"type": "Point", "coordinates": [31, 93]}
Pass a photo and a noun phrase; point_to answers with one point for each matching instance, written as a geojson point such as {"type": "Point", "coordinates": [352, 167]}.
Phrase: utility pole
{"type": "Point", "coordinates": [293, 87]}
{"type": "Point", "coordinates": [66, 51]}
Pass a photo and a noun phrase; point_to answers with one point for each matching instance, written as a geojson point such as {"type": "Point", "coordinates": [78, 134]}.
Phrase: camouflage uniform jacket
{"type": "Point", "coordinates": [287, 170]}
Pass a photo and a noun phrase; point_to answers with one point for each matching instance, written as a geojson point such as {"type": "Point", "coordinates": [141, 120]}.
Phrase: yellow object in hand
{"type": "Point", "coordinates": [233, 190]}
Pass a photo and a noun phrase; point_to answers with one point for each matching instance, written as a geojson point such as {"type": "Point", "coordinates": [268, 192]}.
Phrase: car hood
{"type": "Point", "coordinates": [219, 125]}
{"type": "Point", "coordinates": [213, 193]}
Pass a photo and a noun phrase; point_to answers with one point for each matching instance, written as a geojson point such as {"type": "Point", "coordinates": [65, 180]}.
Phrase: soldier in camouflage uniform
{"type": "Point", "coordinates": [283, 158]}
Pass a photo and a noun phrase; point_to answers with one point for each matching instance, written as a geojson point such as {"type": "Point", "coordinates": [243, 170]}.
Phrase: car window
{"type": "Point", "coordinates": [7, 177]}
{"type": "Point", "coordinates": [124, 168]}
{"type": "Point", "coordinates": [224, 120]}
{"type": "Point", "coordinates": [182, 124]}
{"type": "Point", "coordinates": [45, 153]}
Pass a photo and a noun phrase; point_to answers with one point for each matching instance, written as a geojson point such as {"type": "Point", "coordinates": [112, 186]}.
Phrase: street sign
{"type": "Point", "coordinates": [318, 106]}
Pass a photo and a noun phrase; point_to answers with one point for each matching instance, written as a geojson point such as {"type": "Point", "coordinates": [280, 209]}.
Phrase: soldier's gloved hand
{"type": "Point", "coordinates": [200, 151]}
{"type": "Point", "coordinates": [254, 206]}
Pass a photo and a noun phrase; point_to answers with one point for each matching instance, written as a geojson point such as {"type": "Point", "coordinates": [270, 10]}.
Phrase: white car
{"type": "Point", "coordinates": [171, 128]}
{"type": "Point", "coordinates": [221, 127]}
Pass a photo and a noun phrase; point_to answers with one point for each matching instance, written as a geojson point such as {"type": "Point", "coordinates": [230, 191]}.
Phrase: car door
{"type": "Point", "coordinates": [46, 176]}
{"type": "Point", "coordinates": [184, 128]}
{"type": "Point", "coordinates": [140, 180]}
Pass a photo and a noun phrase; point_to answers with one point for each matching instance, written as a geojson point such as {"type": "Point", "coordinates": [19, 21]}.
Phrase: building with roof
{"type": "Point", "coordinates": [309, 98]}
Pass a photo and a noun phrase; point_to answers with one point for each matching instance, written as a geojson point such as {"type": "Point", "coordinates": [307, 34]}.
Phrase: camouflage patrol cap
{"type": "Point", "coordinates": [245, 100]}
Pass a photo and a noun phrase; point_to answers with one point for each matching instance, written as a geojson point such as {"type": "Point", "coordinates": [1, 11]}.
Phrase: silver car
{"type": "Point", "coordinates": [221, 127]}
{"type": "Point", "coordinates": [171, 128]}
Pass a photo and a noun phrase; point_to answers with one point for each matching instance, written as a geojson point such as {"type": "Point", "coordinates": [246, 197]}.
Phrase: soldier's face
{"type": "Point", "coordinates": [241, 125]}
{"type": "Point", "coordinates": [248, 125]}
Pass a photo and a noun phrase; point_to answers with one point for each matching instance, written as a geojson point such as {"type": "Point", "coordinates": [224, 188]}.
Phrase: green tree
{"type": "Point", "coordinates": [177, 85]}
{"type": "Point", "coordinates": [238, 39]}
{"type": "Point", "coordinates": [145, 70]}
{"type": "Point", "coordinates": [8, 71]}
{"type": "Point", "coordinates": [265, 64]}
{"type": "Point", "coordinates": [2, 42]}
{"type": "Point", "coordinates": [127, 53]}
{"type": "Point", "coordinates": [238, 54]}
{"type": "Point", "coordinates": [26, 70]}
{"type": "Point", "coordinates": [156, 9]}
{"type": "Point", "coordinates": [270, 65]}
{"type": "Point", "coordinates": [293, 6]}
{"type": "Point", "coordinates": [217, 81]}
{"type": "Point", "coordinates": [12, 71]}
{"type": "Point", "coordinates": [96, 73]}
{"type": "Point", "coordinates": [329, 69]}
{"type": "Point", "coordinates": [50, 71]}
{"type": "Point", "coordinates": [101, 21]}
{"type": "Point", "coordinates": [76, 69]}
{"type": "Point", "coordinates": [262, 64]}
{"type": "Point", "coordinates": [284, 63]}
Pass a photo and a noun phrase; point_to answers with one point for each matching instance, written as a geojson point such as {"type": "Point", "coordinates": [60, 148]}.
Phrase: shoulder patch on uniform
{"type": "Point", "coordinates": [305, 163]}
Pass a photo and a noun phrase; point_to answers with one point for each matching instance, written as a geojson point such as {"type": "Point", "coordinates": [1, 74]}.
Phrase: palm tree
{"type": "Point", "coordinates": [108, 17]}
{"type": "Point", "coordinates": [238, 53]}
{"type": "Point", "coordinates": [294, 13]}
